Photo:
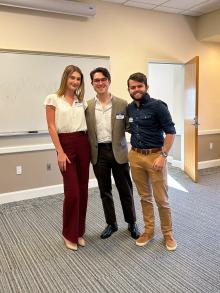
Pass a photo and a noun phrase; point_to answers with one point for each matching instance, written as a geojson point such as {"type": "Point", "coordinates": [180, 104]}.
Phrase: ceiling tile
{"type": "Point", "coordinates": [183, 4]}
{"type": "Point", "coordinates": [167, 9]}
{"type": "Point", "coordinates": [187, 7]}
{"type": "Point", "coordinates": [191, 13]}
{"type": "Point", "coordinates": [115, 1]}
{"type": "Point", "coordinates": [152, 2]}
{"type": "Point", "coordinates": [139, 4]}
{"type": "Point", "coordinates": [207, 7]}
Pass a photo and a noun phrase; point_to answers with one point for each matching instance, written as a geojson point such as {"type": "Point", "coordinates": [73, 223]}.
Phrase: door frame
{"type": "Point", "coordinates": [194, 175]}
{"type": "Point", "coordinates": [175, 163]}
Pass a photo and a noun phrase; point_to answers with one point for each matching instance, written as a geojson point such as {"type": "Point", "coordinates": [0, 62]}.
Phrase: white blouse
{"type": "Point", "coordinates": [68, 118]}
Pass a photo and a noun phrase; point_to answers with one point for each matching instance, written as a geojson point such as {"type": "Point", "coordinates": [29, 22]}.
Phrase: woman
{"type": "Point", "coordinates": [66, 121]}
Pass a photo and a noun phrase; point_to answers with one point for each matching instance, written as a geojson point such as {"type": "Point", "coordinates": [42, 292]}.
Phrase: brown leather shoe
{"type": "Point", "coordinates": [81, 241]}
{"type": "Point", "coordinates": [170, 243]}
{"type": "Point", "coordinates": [144, 239]}
{"type": "Point", "coordinates": [70, 245]}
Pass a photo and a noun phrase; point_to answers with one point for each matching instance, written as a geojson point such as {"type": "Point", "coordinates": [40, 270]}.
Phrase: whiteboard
{"type": "Point", "coordinates": [26, 78]}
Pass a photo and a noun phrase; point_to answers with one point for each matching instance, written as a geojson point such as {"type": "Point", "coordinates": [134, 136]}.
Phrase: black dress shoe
{"type": "Point", "coordinates": [133, 229]}
{"type": "Point", "coordinates": [109, 230]}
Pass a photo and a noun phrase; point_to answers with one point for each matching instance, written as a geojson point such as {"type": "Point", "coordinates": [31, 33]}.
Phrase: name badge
{"type": "Point", "coordinates": [120, 116]}
{"type": "Point", "coordinates": [131, 120]}
{"type": "Point", "coordinates": [78, 104]}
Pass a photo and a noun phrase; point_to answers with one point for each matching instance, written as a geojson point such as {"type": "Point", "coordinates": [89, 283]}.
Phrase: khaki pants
{"type": "Point", "coordinates": [151, 183]}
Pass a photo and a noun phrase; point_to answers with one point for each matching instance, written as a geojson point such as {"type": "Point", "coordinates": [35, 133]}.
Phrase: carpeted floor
{"type": "Point", "coordinates": [34, 259]}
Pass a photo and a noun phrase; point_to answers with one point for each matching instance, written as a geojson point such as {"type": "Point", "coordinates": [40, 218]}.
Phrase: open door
{"type": "Point", "coordinates": [191, 95]}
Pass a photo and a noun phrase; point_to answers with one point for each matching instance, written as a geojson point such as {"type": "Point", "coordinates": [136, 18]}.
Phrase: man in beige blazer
{"type": "Point", "coordinates": [106, 117]}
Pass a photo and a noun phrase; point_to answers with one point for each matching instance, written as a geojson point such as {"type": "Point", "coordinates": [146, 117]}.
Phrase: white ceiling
{"type": "Point", "coordinates": [186, 7]}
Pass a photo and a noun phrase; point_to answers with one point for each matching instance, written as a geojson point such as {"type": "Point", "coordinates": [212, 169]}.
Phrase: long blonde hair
{"type": "Point", "coordinates": [67, 71]}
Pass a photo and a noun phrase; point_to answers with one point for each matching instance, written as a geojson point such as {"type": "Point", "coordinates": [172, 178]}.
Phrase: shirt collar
{"type": "Point", "coordinates": [98, 102]}
{"type": "Point", "coordinates": [74, 98]}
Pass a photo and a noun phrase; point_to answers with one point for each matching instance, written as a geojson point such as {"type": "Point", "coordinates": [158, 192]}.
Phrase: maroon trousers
{"type": "Point", "coordinates": [75, 181]}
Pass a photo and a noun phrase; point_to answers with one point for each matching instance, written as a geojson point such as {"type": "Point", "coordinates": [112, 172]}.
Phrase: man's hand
{"type": "Point", "coordinates": [159, 163]}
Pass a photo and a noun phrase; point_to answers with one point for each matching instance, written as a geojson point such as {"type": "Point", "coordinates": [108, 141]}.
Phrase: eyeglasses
{"type": "Point", "coordinates": [98, 80]}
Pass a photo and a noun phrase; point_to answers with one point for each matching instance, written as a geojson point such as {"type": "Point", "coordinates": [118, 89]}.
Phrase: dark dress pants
{"type": "Point", "coordinates": [75, 181]}
{"type": "Point", "coordinates": [121, 174]}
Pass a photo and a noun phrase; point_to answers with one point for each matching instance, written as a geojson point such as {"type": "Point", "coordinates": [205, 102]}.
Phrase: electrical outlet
{"type": "Point", "coordinates": [211, 145]}
{"type": "Point", "coordinates": [18, 170]}
{"type": "Point", "coordinates": [49, 167]}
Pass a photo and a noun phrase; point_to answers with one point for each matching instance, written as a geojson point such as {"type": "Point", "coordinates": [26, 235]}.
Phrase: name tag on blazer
{"type": "Point", "coordinates": [120, 116]}
{"type": "Point", "coordinates": [78, 104]}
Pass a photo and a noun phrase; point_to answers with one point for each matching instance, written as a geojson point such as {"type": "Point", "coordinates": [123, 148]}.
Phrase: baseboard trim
{"type": "Point", "coordinates": [201, 164]}
{"type": "Point", "coordinates": [56, 189]}
{"type": "Point", "coordinates": [37, 192]}
{"type": "Point", "coordinates": [209, 164]}
{"type": "Point", "coordinates": [175, 163]}
{"type": "Point", "coordinates": [178, 164]}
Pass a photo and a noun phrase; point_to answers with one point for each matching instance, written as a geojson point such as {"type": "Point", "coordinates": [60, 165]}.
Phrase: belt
{"type": "Point", "coordinates": [82, 132]}
{"type": "Point", "coordinates": [71, 134]}
{"type": "Point", "coordinates": [146, 151]}
{"type": "Point", "coordinates": [105, 144]}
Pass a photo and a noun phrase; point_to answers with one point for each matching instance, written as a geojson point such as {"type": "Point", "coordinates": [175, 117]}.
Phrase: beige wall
{"type": "Point", "coordinates": [130, 37]}
{"type": "Point", "coordinates": [205, 152]}
{"type": "Point", "coordinates": [34, 171]}
{"type": "Point", "coordinates": [209, 27]}
{"type": "Point", "coordinates": [34, 167]}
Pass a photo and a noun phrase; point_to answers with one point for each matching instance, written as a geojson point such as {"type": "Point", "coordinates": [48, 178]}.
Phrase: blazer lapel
{"type": "Point", "coordinates": [114, 110]}
{"type": "Point", "coordinates": [93, 120]}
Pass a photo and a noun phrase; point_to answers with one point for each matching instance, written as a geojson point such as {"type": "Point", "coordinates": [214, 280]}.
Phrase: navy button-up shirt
{"type": "Point", "coordinates": [149, 122]}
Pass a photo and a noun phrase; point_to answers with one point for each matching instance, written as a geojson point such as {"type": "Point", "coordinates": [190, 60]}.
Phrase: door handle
{"type": "Point", "coordinates": [196, 122]}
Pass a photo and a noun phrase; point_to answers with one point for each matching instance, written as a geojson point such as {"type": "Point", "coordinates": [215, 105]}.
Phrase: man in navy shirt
{"type": "Point", "coordinates": [149, 119]}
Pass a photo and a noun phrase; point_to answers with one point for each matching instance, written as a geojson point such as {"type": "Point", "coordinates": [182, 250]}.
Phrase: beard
{"type": "Point", "coordinates": [140, 97]}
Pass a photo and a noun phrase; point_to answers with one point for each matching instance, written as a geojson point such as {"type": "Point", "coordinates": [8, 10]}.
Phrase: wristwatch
{"type": "Point", "coordinates": [164, 154]}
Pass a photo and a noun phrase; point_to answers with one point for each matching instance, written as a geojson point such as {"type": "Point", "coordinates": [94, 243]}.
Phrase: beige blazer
{"type": "Point", "coordinates": [119, 143]}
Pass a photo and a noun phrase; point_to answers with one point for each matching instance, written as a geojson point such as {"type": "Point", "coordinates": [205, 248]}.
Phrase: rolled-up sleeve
{"type": "Point", "coordinates": [165, 118]}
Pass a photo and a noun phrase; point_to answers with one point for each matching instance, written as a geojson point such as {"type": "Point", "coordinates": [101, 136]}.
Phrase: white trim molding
{"type": "Point", "coordinates": [37, 192]}
{"type": "Point", "coordinates": [27, 148]}
{"type": "Point", "coordinates": [201, 164]}
{"type": "Point", "coordinates": [211, 131]}
{"type": "Point", "coordinates": [178, 164]}
{"type": "Point", "coordinates": [209, 164]}
{"type": "Point", "coordinates": [50, 146]}
{"type": "Point", "coordinates": [175, 163]}
{"type": "Point", "coordinates": [56, 189]}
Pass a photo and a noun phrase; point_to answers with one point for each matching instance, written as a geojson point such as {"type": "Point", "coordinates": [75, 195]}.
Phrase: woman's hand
{"type": "Point", "coordinates": [62, 159]}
